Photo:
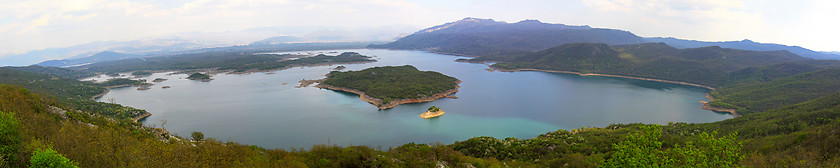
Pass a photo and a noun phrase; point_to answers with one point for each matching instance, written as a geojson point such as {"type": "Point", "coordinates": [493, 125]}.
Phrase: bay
{"type": "Point", "coordinates": [258, 109]}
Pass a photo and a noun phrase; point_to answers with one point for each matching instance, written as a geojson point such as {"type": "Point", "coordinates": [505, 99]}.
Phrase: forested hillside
{"type": "Point", "coordinates": [71, 92]}
{"type": "Point", "coordinates": [393, 82]}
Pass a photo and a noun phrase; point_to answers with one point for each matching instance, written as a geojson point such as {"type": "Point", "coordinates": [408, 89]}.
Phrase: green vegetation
{"type": "Point", "coordinates": [198, 136]}
{"type": "Point", "coordinates": [122, 82]}
{"type": "Point", "coordinates": [393, 82]}
{"type": "Point", "coordinates": [434, 109]}
{"type": "Point", "coordinates": [70, 92]}
{"type": "Point", "coordinates": [199, 76]}
{"type": "Point", "coordinates": [141, 73]}
{"type": "Point", "coordinates": [9, 137]}
{"type": "Point", "coordinates": [49, 158]}
{"type": "Point", "coordinates": [55, 71]}
{"type": "Point", "coordinates": [706, 66]}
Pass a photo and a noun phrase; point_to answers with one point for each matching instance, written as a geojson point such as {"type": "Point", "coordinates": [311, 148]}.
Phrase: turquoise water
{"type": "Point", "coordinates": [258, 109]}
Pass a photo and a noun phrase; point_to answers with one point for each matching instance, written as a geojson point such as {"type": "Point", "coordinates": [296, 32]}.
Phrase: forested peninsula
{"type": "Point", "coordinates": [389, 86]}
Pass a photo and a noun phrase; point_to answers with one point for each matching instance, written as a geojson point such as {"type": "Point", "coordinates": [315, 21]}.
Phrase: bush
{"type": "Point", "coordinates": [198, 136]}
{"type": "Point", "coordinates": [50, 158]}
{"type": "Point", "coordinates": [9, 136]}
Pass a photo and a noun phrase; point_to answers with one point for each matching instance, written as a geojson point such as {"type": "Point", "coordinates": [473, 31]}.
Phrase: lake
{"type": "Point", "coordinates": [258, 109]}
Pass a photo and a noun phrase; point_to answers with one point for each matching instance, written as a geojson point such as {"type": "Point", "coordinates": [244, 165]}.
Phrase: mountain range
{"type": "Point", "coordinates": [486, 37]}
{"type": "Point", "coordinates": [744, 45]}
{"type": "Point", "coordinates": [477, 37]}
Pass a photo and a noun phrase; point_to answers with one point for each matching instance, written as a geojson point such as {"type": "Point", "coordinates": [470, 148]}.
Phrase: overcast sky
{"type": "Point", "coordinates": [27, 25]}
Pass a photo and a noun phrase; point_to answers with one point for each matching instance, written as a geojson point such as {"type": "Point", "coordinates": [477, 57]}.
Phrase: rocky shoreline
{"type": "Point", "coordinates": [378, 102]}
{"type": "Point", "coordinates": [108, 89]}
{"type": "Point", "coordinates": [707, 106]}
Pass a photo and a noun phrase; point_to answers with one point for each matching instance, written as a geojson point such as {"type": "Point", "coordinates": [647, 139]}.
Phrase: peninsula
{"type": "Point", "coordinates": [387, 87]}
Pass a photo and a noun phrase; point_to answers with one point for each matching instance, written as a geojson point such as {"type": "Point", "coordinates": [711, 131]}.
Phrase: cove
{"type": "Point", "coordinates": [259, 109]}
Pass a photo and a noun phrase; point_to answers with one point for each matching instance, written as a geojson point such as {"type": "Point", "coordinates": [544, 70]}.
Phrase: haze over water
{"type": "Point", "coordinates": [258, 109]}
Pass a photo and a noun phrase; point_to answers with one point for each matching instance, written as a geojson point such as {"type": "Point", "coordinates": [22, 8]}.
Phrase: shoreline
{"type": "Point", "coordinates": [606, 75]}
{"type": "Point", "coordinates": [706, 105]}
{"type": "Point", "coordinates": [108, 89]}
{"type": "Point", "coordinates": [378, 102]}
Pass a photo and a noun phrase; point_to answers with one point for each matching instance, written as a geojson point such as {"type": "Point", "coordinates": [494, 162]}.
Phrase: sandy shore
{"type": "Point", "coordinates": [429, 114]}
{"type": "Point", "coordinates": [378, 102]}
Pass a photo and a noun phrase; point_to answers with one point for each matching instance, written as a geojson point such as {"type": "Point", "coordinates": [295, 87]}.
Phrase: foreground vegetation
{"type": "Point", "coordinates": [770, 139]}
{"type": "Point", "coordinates": [393, 82]}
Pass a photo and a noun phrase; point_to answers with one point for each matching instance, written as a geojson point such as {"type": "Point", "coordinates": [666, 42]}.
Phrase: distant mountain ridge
{"type": "Point", "coordinates": [98, 57]}
{"type": "Point", "coordinates": [479, 37]}
{"type": "Point", "coordinates": [744, 45]}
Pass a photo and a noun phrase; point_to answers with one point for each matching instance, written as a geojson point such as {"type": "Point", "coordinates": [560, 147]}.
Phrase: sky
{"type": "Point", "coordinates": [27, 25]}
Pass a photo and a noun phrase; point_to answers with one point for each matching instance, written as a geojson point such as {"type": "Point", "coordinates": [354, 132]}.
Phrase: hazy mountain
{"type": "Point", "coordinates": [276, 40]}
{"type": "Point", "coordinates": [744, 45]}
{"type": "Point", "coordinates": [98, 57]}
{"type": "Point", "coordinates": [473, 36]}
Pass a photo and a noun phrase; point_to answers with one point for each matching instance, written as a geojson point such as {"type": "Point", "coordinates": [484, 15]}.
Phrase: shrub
{"type": "Point", "coordinates": [9, 135]}
{"type": "Point", "coordinates": [198, 136]}
{"type": "Point", "coordinates": [50, 158]}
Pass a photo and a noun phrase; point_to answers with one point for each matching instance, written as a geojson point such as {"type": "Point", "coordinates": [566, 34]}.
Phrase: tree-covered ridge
{"type": "Point", "coordinates": [234, 61]}
{"type": "Point", "coordinates": [71, 92]}
{"type": "Point", "coordinates": [55, 71]}
{"type": "Point", "coordinates": [653, 60]}
{"type": "Point", "coordinates": [393, 82]}
{"type": "Point", "coordinates": [320, 59]}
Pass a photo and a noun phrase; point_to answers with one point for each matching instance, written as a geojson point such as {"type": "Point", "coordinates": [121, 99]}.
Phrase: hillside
{"type": "Point", "coordinates": [704, 66]}
{"type": "Point", "coordinates": [393, 85]}
{"type": "Point", "coordinates": [744, 45]}
{"type": "Point", "coordinates": [71, 92]}
{"type": "Point", "coordinates": [98, 57]}
{"type": "Point", "coordinates": [482, 37]}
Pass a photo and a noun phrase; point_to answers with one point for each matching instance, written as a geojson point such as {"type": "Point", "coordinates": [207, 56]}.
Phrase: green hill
{"type": "Point", "coordinates": [653, 60]}
{"type": "Point", "coordinates": [393, 82]}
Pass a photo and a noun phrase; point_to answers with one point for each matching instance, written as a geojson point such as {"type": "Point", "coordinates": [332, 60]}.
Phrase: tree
{"type": "Point", "coordinates": [50, 158]}
{"type": "Point", "coordinates": [9, 136]}
{"type": "Point", "coordinates": [644, 150]}
{"type": "Point", "coordinates": [198, 136]}
{"type": "Point", "coordinates": [639, 149]}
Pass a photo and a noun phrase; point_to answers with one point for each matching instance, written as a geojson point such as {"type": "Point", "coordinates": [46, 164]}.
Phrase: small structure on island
{"type": "Point", "coordinates": [432, 113]}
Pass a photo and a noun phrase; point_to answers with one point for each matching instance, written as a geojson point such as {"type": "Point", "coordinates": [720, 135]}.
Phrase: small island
{"type": "Point", "coordinates": [158, 80]}
{"type": "Point", "coordinates": [141, 73]}
{"type": "Point", "coordinates": [389, 86]}
{"type": "Point", "coordinates": [432, 113]}
{"type": "Point", "coordinates": [200, 77]}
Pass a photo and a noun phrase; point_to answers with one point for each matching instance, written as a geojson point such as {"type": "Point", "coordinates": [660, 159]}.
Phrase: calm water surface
{"type": "Point", "coordinates": [258, 109]}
